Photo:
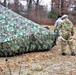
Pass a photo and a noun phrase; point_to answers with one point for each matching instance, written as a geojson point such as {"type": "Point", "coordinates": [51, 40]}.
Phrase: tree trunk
{"type": "Point", "coordinates": [62, 7]}
{"type": "Point", "coordinates": [16, 2]}
{"type": "Point", "coordinates": [29, 7]}
{"type": "Point", "coordinates": [4, 3]}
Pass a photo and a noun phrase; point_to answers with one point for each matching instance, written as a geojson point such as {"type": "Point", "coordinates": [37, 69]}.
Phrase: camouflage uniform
{"type": "Point", "coordinates": [58, 21]}
{"type": "Point", "coordinates": [67, 32]}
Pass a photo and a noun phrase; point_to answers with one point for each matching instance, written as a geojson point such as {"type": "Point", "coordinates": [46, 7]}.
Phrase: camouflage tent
{"type": "Point", "coordinates": [18, 34]}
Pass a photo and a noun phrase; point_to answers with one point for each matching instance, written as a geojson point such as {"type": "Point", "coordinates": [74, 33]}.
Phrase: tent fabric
{"type": "Point", "coordinates": [19, 35]}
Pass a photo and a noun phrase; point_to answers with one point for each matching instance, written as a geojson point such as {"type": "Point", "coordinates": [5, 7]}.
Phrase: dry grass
{"type": "Point", "coordinates": [42, 63]}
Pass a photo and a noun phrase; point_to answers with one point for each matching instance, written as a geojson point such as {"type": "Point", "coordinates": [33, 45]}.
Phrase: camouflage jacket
{"type": "Point", "coordinates": [66, 27]}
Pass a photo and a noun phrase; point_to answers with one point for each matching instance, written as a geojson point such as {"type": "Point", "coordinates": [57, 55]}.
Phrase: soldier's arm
{"type": "Point", "coordinates": [58, 27]}
{"type": "Point", "coordinates": [55, 26]}
{"type": "Point", "coordinates": [72, 30]}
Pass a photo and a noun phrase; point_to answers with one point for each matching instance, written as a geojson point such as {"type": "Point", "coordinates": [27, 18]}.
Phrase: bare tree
{"type": "Point", "coordinates": [4, 3]}
{"type": "Point", "coordinates": [61, 6]}
{"type": "Point", "coordinates": [16, 2]}
{"type": "Point", "coordinates": [37, 2]}
{"type": "Point", "coordinates": [29, 7]}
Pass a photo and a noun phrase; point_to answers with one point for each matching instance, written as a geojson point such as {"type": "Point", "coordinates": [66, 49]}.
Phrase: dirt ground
{"type": "Point", "coordinates": [40, 63]}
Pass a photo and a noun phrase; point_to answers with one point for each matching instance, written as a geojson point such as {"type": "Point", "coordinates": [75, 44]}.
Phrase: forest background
{"type": "Point", "coordinates": [38, 12]}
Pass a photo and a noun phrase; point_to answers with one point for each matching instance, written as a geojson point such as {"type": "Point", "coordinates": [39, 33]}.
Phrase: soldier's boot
{"type": "Point", "coordinates": [73, 54]}
{"type": "Point", "coordinates": [63, 53]}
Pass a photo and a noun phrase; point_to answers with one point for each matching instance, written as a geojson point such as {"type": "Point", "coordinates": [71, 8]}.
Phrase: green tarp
{"type": "Point", "coordinates": [19, 35]}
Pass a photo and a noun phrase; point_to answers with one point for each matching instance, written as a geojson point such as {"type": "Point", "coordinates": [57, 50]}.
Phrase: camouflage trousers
{"type": "Point", "coordinates": [64, 42]}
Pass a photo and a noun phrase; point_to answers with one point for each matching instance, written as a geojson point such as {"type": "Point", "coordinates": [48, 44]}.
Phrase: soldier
{"type": "Point", "coordinates": [67, 32]}
{"type": "Point", "coordinates": [58, 21]}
